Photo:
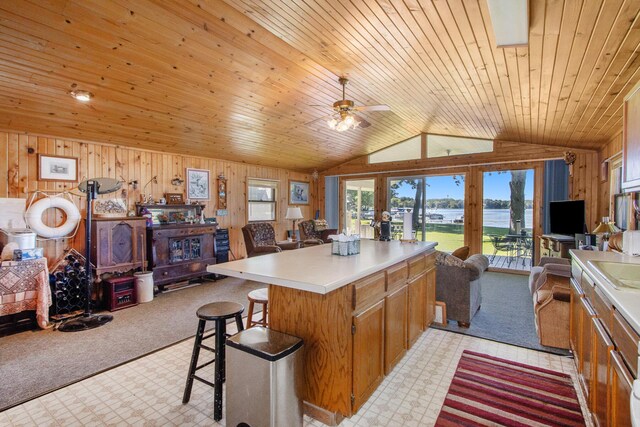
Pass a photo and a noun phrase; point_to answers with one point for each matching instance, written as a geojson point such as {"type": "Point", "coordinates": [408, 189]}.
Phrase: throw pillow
{"type": "Point", "coordinates": [462, 252]}
{"type": "Point", "coordinates": [320, 224]}
{"type": "Point", "coordinates": [443, 258]}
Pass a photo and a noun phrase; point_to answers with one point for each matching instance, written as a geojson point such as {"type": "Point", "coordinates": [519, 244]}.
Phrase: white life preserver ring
{"type": "Point", "coordinates": [33, 217]}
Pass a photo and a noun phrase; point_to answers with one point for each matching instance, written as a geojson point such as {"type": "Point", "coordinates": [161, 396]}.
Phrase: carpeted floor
{"type": "Point", "coordinates": [506, 314]}
{"type": "Point", "coordinates": [36, 362]}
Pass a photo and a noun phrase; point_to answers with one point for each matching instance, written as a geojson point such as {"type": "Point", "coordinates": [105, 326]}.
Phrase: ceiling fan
{"type": "Point", "coordinates": [344, 118]}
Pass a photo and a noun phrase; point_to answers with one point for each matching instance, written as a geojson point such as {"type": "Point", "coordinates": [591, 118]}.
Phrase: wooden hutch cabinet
{"type": "Point", "coordinates": [117, 244]}
{"type": "Point", "coordinates": [177, 250]}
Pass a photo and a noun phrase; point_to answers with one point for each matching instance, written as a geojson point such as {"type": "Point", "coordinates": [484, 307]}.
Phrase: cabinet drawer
{"type": "Point", "coordinates": [178, 232]}
{"type": "Point", "coordinates": [369, 290]}
{"type": "Point", "coordinates": [417, 265]}
{"type": "Point", "coordinates": [626, 341]}
{"type": "Point", "coordinates": [396, 276]}
{"type": "Point", "coordinates": [587, 284]}
{"type": "Point", "coordinates": [603, 308]}
{"type": "Point", "coordinates": [576, 272]}
{"type": "Point", "coordinates": [179, 272]}
{"type": "Point", "coordinates": [430, 261]}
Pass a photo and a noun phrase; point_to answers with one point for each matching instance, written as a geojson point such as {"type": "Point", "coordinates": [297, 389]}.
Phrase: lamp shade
{"type": "Point", "coordinates": [293, 213]}
{"type": "Point", "coordinates": [605, 227]}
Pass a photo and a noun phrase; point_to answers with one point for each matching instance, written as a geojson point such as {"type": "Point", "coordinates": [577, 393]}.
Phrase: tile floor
{"type": "Point", "coordinates": [148, 391]}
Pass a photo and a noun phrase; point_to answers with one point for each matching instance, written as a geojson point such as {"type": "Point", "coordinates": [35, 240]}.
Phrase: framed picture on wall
{"type": "Point", "coordinates": [57, 168]}
{"type": "Point", "coordinates": [298, 193]}
{"type": "Point", "coordinates": [197, 184]}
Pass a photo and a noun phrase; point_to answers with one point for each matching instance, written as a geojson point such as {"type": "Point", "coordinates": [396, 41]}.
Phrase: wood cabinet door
{"type": "Point", "coordinates": [631, 140]}
{"type": "Point", "coordinates": [118, 245]}
{"type": "Point", "coordinates": [430, 298]}
{"type": "Point", "coordinates": [417, 290]}
{"type": "Point", "coordinates": [368, 353]}
{"type": "Point", "coordinates": [587, 348]}
{"type": "Point", "coordinates": [395, 337]}
{"type": "Point", "coordinates": [602, 347]}
{"type": "Point", "coordinates": [575, 324]}
{"type": "Point", "coordinates": [621, 383]}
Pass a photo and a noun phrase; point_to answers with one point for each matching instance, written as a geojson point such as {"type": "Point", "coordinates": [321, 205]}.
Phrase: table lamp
{"type": "Point", "coordinates": [293, 214]}
{"type": "Point", "coordinates": [605, 228]}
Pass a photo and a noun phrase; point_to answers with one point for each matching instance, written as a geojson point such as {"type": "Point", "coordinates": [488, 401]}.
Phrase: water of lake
{"type": "Point", "coordinates": [490, 217]}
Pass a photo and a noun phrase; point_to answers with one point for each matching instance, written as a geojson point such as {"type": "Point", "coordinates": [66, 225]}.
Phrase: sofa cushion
{"type": "Point", "coordinates": [443, 258]}
{"type": "Point", "coordinates": [461, 252]}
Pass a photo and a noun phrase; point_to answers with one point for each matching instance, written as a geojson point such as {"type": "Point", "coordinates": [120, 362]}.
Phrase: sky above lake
{"type": "Point", "coordinates": [496, 186]}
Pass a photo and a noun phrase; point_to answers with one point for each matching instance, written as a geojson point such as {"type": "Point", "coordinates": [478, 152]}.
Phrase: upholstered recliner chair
{"type": "Point", "coordinates": [260, 239]}
{"type": "Point", "coordinates": [310, 235]}
{"type": "Point", "coordinates": [458, 285]}
{"type": "Point", "coordinates": [552, 307]}
{"type": "Point", "coordinates": [558, 266]}
{"type": "Point", "coordinates": [549, 286]}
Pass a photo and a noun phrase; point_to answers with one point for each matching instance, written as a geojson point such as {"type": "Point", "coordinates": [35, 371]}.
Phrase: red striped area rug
{"type": "Point", "coordinates": [488, 391]}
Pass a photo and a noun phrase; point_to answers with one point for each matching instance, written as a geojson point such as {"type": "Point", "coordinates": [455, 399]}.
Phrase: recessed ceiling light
{"type": "Point", "coordinates": [81, 95]}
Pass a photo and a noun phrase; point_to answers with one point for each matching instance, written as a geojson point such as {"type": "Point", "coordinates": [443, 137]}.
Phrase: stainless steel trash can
{"type": "Point", "coordinates": [264, 379]}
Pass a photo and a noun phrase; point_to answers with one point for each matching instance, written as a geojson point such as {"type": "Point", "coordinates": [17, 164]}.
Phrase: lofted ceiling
{"type": "Point", "coordinates": [241, 79]}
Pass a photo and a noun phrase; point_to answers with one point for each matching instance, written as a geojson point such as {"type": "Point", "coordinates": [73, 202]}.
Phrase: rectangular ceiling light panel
{"type": "Point", "coordinates": [510, 19]}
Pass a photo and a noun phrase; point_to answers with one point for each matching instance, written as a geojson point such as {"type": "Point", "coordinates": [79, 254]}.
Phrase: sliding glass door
{"type": "Point", "coordinates": [436, 206]}
{"type": "Point", "coordinates": [359, 207]}
{"type": "Point", "coordinates": [507, 218]}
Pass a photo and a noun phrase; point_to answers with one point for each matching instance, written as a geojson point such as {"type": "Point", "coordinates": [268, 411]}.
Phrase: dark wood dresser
{"type": "Point", "coordinates": [179, 252]}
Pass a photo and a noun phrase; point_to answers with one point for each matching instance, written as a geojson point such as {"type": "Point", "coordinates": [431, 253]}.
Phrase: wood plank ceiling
{"type": "Point", "coordinates": [240, 79]}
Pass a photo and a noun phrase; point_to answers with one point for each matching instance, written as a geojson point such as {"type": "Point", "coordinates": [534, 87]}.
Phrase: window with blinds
{"type": "Point", "coordinates": [261, 200]}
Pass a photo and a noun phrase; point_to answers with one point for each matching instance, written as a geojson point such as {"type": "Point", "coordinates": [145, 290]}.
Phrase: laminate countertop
{"type": "Point", "coordinates": [315, 269]}
{"type": "Point", "coordinates": [627, 300]}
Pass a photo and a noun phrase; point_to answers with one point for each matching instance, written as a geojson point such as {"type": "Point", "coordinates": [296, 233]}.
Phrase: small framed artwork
{"type": "Point", "coordinates": [197, 184]}
{"type": "Point", "coordinates": [174, 198]}
{"type": "Point", "coordinates": [57, 168]}
{"type": "Point", "coordinates": [298, 193]}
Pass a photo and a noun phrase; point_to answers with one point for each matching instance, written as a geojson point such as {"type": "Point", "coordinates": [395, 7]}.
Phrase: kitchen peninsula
{"type": "Point", "coordinates": [357, 314]}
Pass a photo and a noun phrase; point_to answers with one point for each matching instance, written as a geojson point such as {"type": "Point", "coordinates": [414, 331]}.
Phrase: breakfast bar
{"type": "Point", "coordinates": [357, 314]}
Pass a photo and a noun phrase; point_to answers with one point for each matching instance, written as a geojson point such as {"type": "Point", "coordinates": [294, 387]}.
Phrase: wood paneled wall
{"type": "Point", "coordinates": [613, 147]}
{"type": "Point", "coordinates": [19, 178]}
{"type": "Point", "coordinates": [584, 185]}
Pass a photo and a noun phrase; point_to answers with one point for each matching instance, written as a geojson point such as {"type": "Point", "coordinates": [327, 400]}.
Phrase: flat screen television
{"type": "Point", "coordinates": [566, 217]}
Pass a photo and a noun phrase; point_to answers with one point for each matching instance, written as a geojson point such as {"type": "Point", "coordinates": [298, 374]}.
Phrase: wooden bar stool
{"type": "Point", "coordinates": [218, 312]}
{"type": "Point", "coordinates": [258, 296]}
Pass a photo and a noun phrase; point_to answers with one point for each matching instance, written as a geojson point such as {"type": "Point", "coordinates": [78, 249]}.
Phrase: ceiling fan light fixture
{"type": "Point", "coordinates": [349, 120]}
{"type": "Point", "coordinates": [343, 122]}
{"type": "Point", "coordinates": [81, 95]}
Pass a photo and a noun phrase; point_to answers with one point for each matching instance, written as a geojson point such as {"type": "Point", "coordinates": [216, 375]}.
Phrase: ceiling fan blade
{"type": "Point", "coordinates": [362, 123]}
{"type": "Point", "coordinates": [381, 107]}
{"type": "Point", "coordinates": [327, 117]}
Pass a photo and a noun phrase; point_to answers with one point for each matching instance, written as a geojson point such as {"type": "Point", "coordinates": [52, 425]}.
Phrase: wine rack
{"type": "Point", "coordinates": [68, 289]}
